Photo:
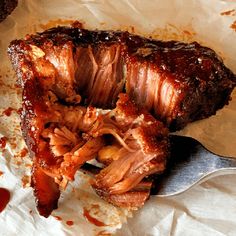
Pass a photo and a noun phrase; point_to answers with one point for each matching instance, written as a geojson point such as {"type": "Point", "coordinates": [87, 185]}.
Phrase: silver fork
{"type": "Point", "coordinates": [190, 164]}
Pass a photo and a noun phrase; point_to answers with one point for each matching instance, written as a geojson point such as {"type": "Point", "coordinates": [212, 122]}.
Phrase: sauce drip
{"type": "Point", "coordinates": [228, 13]}
{"type": "Point", "coordinates": [23, 152]}
{"type": "Point", "coordinates": [57, 218]}
{"type": "Point", "coordinates": [3, 142]}
{"type": "Point", "coordinates": [4, 198]}
{"type": "Point", "coordinates": [8, 111]}
{"type": "Point", "coordinates": [69, 222]}
{"type": "Point", "coordinates": [92, 219]}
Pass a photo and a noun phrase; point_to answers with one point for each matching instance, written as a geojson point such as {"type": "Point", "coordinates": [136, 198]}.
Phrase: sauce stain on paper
{"type": "Point", "coordinates": [8, 111]}
{"type": "Point", "coordinates": [3, 142]}
{"type": "Point", "coordinates": [70, 222]}
{"type": "Point", "coordinates": [92, 220]}
{"type": "Point", "coordinates": [25, 180]}
{"type": "Point", "coordinates": [59, 22]}
{"type": "Point", "coordinates": [23, 152]}
{"type": "Point", "coordinates": [103, 233]}
{"type": "Point", "coordinates": [228, 13]}
{"type": "Point", "coordinates": [233, 26]}
{"type": "Point", "coordinates": [58, 218]}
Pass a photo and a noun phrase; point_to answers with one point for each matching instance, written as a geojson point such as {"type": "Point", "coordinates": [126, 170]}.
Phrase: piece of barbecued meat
{"type": "Point", "coordinates": [178, 82]}
{"type": "Point", "coordinates": [62, 135]}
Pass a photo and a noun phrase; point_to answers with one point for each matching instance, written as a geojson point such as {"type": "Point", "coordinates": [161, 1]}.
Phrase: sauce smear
{"type": "Point", "coordinates": [57, 218]}
{"type": "Point", "coordinates": [4, 198]}
{"type": "Point", "coordinates": [3, 142]}
{"type": "Point", "coordinates": [23, 152]}
{"type": "Point", "coordinates": [228, 13]}
{"type": "Point", "coordinates": [233, 26]}
{"type": "Point", "coordinates": [8, 111]}
{"type": "Point", "coordinates": [92, 219]}
{"type": "Point", "coordinates": [69, 222]}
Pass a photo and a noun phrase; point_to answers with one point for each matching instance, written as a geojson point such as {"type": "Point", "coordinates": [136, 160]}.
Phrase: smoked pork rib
{"type": "Point", "coordinates": [178, 82]}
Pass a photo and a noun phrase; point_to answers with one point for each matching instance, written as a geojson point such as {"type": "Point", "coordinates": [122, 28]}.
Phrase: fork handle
{"type": "Point", "coordinates": [224, 162]}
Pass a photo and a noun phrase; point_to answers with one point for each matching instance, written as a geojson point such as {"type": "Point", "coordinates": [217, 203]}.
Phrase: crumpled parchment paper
{"type": "Point", "coordinates": [207, 209]}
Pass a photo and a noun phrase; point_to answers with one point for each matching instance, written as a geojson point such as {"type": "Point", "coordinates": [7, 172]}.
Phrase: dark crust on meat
{"type": "Point", "coordinates": [46, 191]}
{"type": "Point", "coordinates": [201, 83]}
{"type": "Point", "coordinates": [6, 8]}
{"type": "Point", "coordinates": [33, 108]}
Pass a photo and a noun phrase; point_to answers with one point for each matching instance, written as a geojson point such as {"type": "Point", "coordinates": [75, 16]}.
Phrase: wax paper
{"type": "Point", "coordinates": [206, 209]}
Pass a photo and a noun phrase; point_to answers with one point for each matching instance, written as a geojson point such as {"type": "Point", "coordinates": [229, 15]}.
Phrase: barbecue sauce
{"type": "Point", "coordinates": [4, 198]}
{"type": "Point", "coordinates": [58, 218]}
{"type": "Point", "coordinates": [92, 219]}
{"type": "Point", "coordinates": [3, 142]}
{"type": "Point", "coordinates": [70, 222]}
{"type": "Point", "coordinates": [8, 111]}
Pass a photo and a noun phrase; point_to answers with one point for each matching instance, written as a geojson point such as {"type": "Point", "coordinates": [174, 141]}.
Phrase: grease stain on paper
{"type": "Point", "coordinates": [25, 180]}
{"type": "Point", "coordinates": [61, 22]}
{"type": "Point", "coordinates": [228, 13]}
{"type": "Point", "coordinates": [233, 26]}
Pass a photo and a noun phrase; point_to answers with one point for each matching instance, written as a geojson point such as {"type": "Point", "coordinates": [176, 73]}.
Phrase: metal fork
{"type": "Point", "coordinates": [190, 164]}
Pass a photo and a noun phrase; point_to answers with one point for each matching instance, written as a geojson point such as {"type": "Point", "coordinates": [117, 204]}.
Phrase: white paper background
{"type": "Point", "coordinates": [207, 209]}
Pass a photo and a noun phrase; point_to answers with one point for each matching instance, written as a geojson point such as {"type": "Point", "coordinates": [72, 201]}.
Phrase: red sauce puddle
{"type": "Point", "coordinates": [57, 218]}
{"type": "Point", "coordinates": [4, 198]}
{"type": "Point", "coordinates": [8, 111]}
{"type": "Point", "coordinates": [23, 152]}
{"type": "Point", "coordinates": [92, 219]}
{"type": "Point", "coordinates": [3, 142]}
{"type": "Point", "coordinates": [69, 222]}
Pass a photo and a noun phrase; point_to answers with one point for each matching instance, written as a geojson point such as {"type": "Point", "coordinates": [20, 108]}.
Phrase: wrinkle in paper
{"type": "Point", "coordinates": [207, 209]}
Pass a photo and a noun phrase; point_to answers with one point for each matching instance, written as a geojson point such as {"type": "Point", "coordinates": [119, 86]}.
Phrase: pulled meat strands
{"type": "Point", "coordinates": [177, 82]}
{"type": "Point", "coordinates": [140, 141]}
{"type": "Point", "coordinates": [147, 142]}
{"type": "Point", "coordinates": [135, 198]}
{"type": "Point", "coordinates": [73, 161]}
